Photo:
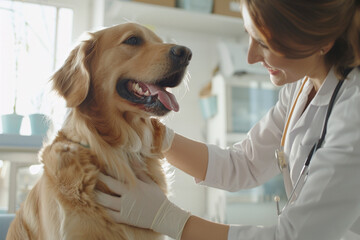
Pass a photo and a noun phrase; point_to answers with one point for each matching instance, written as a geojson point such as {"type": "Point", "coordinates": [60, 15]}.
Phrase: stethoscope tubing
{"type": "Point", "coordinates": [317, 145]}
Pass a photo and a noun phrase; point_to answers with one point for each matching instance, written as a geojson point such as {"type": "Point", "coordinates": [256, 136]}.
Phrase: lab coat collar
{"type": "Point", "coordinates": [323, 95]}
{"type": "Point", "coordinates": [322, 98]}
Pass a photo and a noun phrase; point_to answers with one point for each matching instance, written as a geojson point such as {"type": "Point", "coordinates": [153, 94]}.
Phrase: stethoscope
{"type": "Point", "coordinates": [280, 156]}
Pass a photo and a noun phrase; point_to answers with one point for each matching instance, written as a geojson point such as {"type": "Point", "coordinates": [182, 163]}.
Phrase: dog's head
{"type": "Point", "coordinates": [123, 68]}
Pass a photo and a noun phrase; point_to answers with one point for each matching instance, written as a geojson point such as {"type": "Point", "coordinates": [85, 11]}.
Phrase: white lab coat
{"type": "Point", "coordinates": [328, 207]}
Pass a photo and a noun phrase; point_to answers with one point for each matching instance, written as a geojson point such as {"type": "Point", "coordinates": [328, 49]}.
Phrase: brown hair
{"type": "Point", "coordinates": [311, 24]}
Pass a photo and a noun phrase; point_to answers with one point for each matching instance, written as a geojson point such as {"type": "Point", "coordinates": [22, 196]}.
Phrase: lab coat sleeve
{"type": "Point", "coordinates": [251, 162]}
{"type": "Point", "coordinates": [329, 203]}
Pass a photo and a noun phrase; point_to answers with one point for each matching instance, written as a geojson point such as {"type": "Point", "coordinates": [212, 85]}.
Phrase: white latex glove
{"type": "Point", "coordinates": [168, 139]}
{"type": "Point", "coordinates": [144, 206]}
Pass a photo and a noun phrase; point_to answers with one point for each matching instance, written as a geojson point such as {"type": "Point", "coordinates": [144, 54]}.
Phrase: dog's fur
{"type": "Point", "coordinates": [110, 129]}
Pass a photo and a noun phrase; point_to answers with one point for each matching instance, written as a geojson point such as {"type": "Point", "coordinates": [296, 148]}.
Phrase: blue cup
{"type": "Point", "coordinates": [39, 124]}
{"type": "Point", "coordinates": [11, 123]}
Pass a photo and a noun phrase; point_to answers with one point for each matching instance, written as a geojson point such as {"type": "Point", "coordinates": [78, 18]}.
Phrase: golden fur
{"type": "Point", "coordinates": [104, 132]}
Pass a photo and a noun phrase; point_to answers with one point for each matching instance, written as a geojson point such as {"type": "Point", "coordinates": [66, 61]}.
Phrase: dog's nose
{"type": "Point", "coordinates": [181, 54]}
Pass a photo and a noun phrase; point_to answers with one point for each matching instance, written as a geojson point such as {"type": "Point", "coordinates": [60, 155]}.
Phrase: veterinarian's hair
{"type": "Point", "coordinates": [310, 24]}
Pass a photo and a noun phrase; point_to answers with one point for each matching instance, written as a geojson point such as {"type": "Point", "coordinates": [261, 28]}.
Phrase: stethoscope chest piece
{"type": "Point", "coordinates": [280, 156]}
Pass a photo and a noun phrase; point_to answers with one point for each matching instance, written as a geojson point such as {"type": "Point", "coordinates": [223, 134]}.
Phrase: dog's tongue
{"type": "Point", "coordinates": [166, 98]}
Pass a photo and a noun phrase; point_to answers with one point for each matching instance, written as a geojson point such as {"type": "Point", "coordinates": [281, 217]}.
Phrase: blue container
{"type": "Point", "coordinates": [39, 124]}
{"type": "Point", "coordinates": [208, 106]}
{"type": "Point", "coordinates": [11, 123]}
{"type": "Point", "coordinates": [249, 105]}
{"type": "Point", "coordinates": [204, 6]}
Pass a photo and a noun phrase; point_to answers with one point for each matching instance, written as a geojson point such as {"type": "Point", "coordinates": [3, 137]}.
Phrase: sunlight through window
{"type": "Point", "coordinates": [35, 40]}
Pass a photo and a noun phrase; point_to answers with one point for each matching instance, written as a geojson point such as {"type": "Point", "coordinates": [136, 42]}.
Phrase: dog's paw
{"type": "Point", "coordinates": [58, 156]}
{"type": "Point", "coordinates": [158, 135]}
{"type": "Point", "coordinates": [65, 154]}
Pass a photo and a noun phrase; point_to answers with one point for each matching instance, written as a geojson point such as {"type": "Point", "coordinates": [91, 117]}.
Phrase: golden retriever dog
{"type": "Point", "coordinates": [115, 84]}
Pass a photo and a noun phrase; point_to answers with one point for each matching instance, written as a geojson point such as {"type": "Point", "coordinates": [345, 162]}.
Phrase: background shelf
{"type": "Point", "coordinates": [179, 19]}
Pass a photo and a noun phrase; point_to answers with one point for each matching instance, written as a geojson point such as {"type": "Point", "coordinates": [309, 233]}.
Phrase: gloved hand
{"type": "Point", "coordinates": [144, 206]}
{"type": "Point", "coordinates": [168, 139]}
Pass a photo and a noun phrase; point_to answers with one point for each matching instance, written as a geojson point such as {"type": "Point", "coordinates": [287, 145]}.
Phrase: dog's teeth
{"type": "Point", "coordinates": [137, 87]}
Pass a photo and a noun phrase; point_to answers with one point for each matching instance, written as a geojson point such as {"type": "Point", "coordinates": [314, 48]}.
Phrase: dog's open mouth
{"type": "Point", "coordinates": [153, 97]}
{"type": "Point", "coordinates": [149, 93]}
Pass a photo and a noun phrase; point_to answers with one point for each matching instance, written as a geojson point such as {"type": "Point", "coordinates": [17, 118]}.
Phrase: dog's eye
{"type": "Point", "coordinates": [133, 41]}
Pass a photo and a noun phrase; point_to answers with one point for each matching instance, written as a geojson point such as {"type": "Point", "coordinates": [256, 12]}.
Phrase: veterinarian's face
{"type": "Point", "coordinates": [282, 70]}
{"type": "Point", "coordinates": [140, 67]}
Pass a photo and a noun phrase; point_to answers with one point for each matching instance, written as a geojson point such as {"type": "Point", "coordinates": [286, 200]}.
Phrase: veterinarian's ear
{"type": "Point", "coordinates": [72, 80]}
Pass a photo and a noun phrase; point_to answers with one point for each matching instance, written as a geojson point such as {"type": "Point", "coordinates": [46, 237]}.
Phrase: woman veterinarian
{"type": "Point", "coordinates": [308, 47]}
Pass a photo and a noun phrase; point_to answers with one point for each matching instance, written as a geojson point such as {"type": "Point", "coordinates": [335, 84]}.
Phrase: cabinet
{"type": "Point", "coordinates": [241, 102]}
{"type": "Point", "coordinates": [17, 154]}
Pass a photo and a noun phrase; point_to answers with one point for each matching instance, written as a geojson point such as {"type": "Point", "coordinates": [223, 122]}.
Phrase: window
{"type": "Point", "coordinates": [36, 37]}
{"type": "Point", "coordinates": [34, 40]}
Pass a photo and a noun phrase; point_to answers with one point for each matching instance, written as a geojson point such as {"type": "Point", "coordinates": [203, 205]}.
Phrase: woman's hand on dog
{"type": "Point", "coordinates": [144, 206]}
{"type": "Point", "coordinates": [134, 206]}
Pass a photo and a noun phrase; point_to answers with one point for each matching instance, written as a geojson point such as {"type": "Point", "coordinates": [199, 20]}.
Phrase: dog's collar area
{"type": "Point", "coordinates": [84, 145]}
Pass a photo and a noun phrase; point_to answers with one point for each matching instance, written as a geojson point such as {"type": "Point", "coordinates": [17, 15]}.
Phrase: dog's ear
{"type": "Point", "coordinates": [72, 80]}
